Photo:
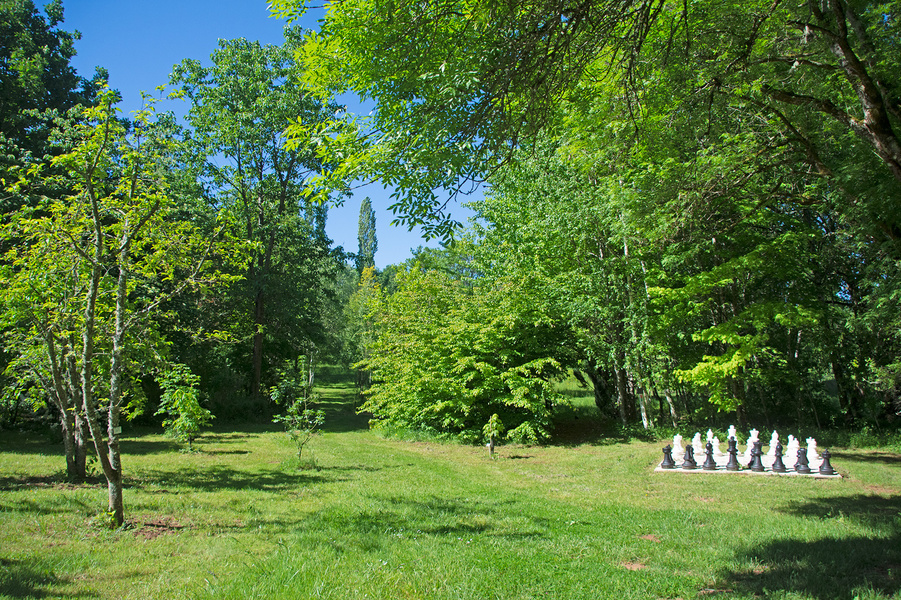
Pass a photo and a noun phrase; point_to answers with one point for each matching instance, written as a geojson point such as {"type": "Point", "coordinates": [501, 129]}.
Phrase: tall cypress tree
{"type": "Point", "coordinates": [366, 240]}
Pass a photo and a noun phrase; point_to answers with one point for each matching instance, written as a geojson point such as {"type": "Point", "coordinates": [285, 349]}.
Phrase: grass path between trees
{"type": "Point", "coordinates": [399, 519]}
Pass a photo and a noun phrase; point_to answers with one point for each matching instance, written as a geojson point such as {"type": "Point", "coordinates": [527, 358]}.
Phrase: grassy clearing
{"type": "Point", "coordinates": [396, 519]}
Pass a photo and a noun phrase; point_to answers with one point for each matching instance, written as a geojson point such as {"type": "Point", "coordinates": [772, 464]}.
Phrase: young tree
{"type": "Point", "coordinates": [99, 263]}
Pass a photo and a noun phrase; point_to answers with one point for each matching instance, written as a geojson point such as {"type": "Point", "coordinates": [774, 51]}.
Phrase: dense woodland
{"type": "Point", "coordinates": [692, 208]}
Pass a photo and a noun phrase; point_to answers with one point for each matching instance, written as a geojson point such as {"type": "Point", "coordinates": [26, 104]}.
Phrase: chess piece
{"type": "Point", "coordinates": [802, 466]}
{"type": "Point", "coordinates": [826, 466]}
{"type": "Point", "coordinates": [731, 433]}
{"type": "Point", "coordinates": [778, 465]}
{"type": "Point", "coordinates": [756, 463]}
{"type": "Point", "coordinates": [668, 462]}
{"type": "Point", "coordinates": [813, 458]}
{"type": "Point", "coordinates": [678, 450]}
{"type": "Point", "coordinates": [697, 445]}
{"type": "Point", "coordinates": [709, 464]}
{"type": "Point", "coordinates": [748, 451]}
{"type": "Point", "coordinates": [774, 441]}
{"type": "Point", "coordinates": [689, 462]}
{"type": "Point", "coordinates": [793, 445]}
{"type": "Point", "coordinates": [732, 465]}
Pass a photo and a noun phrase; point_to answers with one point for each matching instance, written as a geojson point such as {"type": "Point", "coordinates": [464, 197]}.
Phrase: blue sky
{"type": "Point", "coordinates": [139, 41]}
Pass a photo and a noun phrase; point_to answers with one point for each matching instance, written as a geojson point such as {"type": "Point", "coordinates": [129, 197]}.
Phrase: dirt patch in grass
{"type": "Point", "coordinates": [650, 537]}
{"type": "Point", "coordinates": [153, 528]}
{"type": "Point", "coordinates": [634, 566]}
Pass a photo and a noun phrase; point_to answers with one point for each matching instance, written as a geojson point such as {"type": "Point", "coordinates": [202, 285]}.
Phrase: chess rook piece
{"type": "Point", "coordinates": [732, 465]}
{"type": "Point", "coordinates": [825, 466]}
{"type": "Point", "coordinates": [689, 462]}
{"type": "Point", "coordinates": [778, 465]}
{"type": "Point", "coordinates": [802, 466]}
{"type": "Point", "coordinates": [709, 464]}
{"type": "Point", "coordinates": [668, 462]}
{"type": "Point", "coordinates": [756, 463]}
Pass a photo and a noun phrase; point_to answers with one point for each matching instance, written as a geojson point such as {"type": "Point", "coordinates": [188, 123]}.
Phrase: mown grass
{"type": "Point", "coordinates": [392, 519]}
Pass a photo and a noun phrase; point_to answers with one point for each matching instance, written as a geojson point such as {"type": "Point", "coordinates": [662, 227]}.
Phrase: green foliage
{"type": "Point", "coordinates": [180, 402]}
{"type": "Point", "coordinates": [448, 354]}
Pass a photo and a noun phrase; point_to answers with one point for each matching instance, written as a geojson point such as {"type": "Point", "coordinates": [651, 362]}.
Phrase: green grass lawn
{"type": "Point", "coordinates": [397, 519]}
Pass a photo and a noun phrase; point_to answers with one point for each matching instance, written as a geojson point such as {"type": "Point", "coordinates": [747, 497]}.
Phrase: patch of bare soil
{"type": "Point", "coordinates": [151, 529]}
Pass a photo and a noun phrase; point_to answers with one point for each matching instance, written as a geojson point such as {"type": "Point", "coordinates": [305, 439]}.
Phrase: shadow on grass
{"type": "Point", "coordinates": [217, 478]}
{"type": "Point", "coordinates": [23, 579]}
{"type": "Point", "coordinates": [869, 456]}
{"type": "Point", "coordinates": [389, 518]}
{"type": "Point", "coordinates": [829, 568]}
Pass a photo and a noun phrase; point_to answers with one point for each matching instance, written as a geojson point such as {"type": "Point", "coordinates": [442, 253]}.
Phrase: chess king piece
{"type": "Point", "coordinates": [733, 465]}
{"type": "Point", "coordinates": [826, 466]}
{"type": "Point", "coordinates": [668, 462]}
{"type": "Point", "coordinates": [802, 466]}
{"type": "Point", "coordinates": [689, 462]}
{"type": "Point", "coordinates": [709, 463]}
{"type": "Point", "coordinates": [778, 465]}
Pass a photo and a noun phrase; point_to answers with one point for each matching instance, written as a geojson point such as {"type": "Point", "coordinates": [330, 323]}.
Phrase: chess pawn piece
{"type": "Point", "coordinates": [668, 462]}
{"type": "Point", "coordinates": [756, 463]}
{"type": "Point", "coordinates": [802, 466]}
{"type": "Point", "coordinates": [709, 464]}
{"type": "Point", "coordinates": [826, 466]}
{"type": "Point", "coordinates": [689, 462]}
{"type": "Point", "coordinates": [778, 465]}
{"type": "Point", "coordinates": [732, 465]}
{"type": "Point", "coordinates": [717, 451]}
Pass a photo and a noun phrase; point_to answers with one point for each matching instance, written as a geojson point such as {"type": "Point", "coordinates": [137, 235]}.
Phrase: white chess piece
{"type": "Point", "coordinates": [731, 434]}
{"type": "Point", "coordinates": [697, 445]}
{"type": "Point", "coordinates": [774, 441]}
{"type": "Point", "coordinates": [813, 458]}
{"type": "Point", "coordinates": [746, 459]}
{"type": "Point", "coordinates": [791, 451]}
{"type": "Point", "coordinates": [710, 435]}
{"type": "Point", "coordinates": [678, 450]}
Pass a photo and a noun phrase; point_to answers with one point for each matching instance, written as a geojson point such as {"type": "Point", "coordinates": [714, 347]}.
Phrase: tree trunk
{"type": "Point", "coordinates": [259, 315]}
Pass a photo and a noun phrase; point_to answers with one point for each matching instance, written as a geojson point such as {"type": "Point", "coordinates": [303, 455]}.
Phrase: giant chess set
{"type": "Point", "coordinates": [792, 459]}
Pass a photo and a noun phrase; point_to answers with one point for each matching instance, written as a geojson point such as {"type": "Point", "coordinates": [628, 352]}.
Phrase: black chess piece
{"type": "Point", "coordinates": [733, 465]}
{"type": "Point", "coordinates": [802, 466]}
{"type": "Point", "coordinates": [826, 466]}
{"type": "Point", "coordinates": [778, 465]}
{"type": "Point", "coordinates": [689, 462]}
{"type": "Point", "coordinates": [709, 463]}
{"type": "Point", "coordinates": [668, 462]}
{"type": "Point", "coordinates": [756, 464]}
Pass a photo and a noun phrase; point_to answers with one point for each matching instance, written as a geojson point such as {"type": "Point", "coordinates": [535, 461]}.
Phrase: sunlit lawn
{"type": "Point", "coordinates": [391, 519]}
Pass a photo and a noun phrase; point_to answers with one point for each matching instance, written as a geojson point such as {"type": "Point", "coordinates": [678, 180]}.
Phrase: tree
{"type": "Point", "coordinates": [367, 242]}
{"type": "Point", "coordinates": [448, 354]}
{"type": "Point", "coordinates": [98, 264]}
{"type": "Point", "coordinates": [240, 106]}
